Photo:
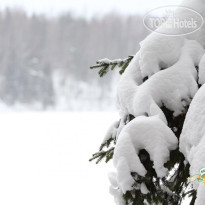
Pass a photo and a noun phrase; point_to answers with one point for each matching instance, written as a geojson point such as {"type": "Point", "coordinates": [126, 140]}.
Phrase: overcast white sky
{"type": "Point", "coordinates": [86, 7]}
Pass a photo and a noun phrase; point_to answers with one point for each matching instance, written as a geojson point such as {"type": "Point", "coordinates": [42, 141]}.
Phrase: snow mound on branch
{"type": "Point", "coordinates": [114, 190]}
{"type": "Point", "coordinates": [192, 140]}
{"type": "Point", "coordinates": [111, 132]}
{"type": "Point", "coordinates": [118, 196]}
{"type": "Point", "coordinates": [159, 89]}
{"type": "Point", "coordinates": [149, 133]}
{"type": "Point", "coordinates": [144, 189]}
{"type": "Point", "coordinates": [159, 52]}
{"type": "Point", "coordinates": [202, 71]}
{"type": "Point", "coordinates": [193, 129]}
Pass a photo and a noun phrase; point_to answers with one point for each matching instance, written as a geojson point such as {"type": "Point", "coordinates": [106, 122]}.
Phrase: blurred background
{"type": "Point", "coordinates": [45, 60]}
{"type": "Point", "coordinates": [54, 110]}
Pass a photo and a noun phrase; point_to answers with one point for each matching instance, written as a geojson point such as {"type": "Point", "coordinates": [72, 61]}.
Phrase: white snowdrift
{"type": "Point", "coordinates": [149, 133]}
{"type": "Point", "coordinates": [202, 70]}
{"type": "Point", "coordinates": [145, 99]}
{"type": "Point", "coordinates": [192, 140]}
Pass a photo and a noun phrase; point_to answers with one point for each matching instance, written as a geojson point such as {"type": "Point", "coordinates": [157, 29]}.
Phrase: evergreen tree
{"type": "Point", "coordinates": [154, 96]}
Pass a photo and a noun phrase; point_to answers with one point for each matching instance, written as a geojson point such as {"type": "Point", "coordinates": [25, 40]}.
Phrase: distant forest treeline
{"type": "Point", "coordinates": [45, 61]}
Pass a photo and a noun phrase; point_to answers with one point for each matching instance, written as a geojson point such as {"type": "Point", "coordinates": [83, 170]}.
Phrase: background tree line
{"type": "Point", "coordinates": [44, 62]}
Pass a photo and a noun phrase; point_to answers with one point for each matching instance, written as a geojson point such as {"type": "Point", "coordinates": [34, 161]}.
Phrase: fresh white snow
{"type": "Point", "coordinates": [162, 73]}
{"type": "Point", "coordinates": [174, 88]}
{"type": "Point", "coordinates": [192, 140]}
{"type": "Point", "coordinates": [44, 158]}
{"type": "Point", "coordinates": [148, 133]}
{"type": "Point", "coordinates": [160, 89]}
{"type": "Point", "coordinates": [193, 129]}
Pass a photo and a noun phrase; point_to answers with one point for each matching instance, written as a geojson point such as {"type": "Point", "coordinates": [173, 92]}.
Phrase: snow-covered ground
{"type": "Point", "coordinates": [44, 158]}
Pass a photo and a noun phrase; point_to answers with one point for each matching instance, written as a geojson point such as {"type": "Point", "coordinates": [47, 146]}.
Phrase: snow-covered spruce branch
{"type": "Point", "coordinates": [106, 64]}
{"type": "Point", "coordinates": [108, 143]}
{"type": "Point", "coordinates": [108, 155]}
{"type": "Point", "coordinates": [107, 146]}
{"type": "Point", "coordinates": [157, 104]}
{"type": "Point", "coordinates": [152, 146]}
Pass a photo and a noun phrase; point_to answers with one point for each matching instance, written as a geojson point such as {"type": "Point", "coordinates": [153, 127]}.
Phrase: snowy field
{"type": "Point", "coordinates": [44, 159]}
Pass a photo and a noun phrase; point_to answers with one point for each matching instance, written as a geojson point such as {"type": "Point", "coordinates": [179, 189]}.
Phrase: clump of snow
{"type": "Point", "coordinates": [159, 52]}
{"type": "Point", "coordinates": [118, 195]}
{"type": "Point", "coordinates": [192, 140]}
{"type": "Point", "coordinates": [112, 179]}
{"type": "Point", "coordinates": [104, 60]}
{"type": "Point", "coordinates": [146, 99]}
{"type": "Point", "coordinates": [114, 189]}
{"type": "Point", "coordinates": [144, 189]}
{"type": "Point", "coordinates": [149, 133]}
{"type": "Point", "coordinates": [130, 79]}
{"type": "Point", "coordinates": [162, 51]}
{"type": "Point", "coordinates": [202, 70]}
{"type": "Point", "coordinates": [111, 132]}
{"type": "Point", "coordinates": [108, 61]}
{"type": "Point", "coordinates": [117, 60]}
{"type": "Point", "coordinates": [193, 129]}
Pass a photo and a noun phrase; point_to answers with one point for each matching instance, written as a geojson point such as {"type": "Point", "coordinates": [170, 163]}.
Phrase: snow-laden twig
{"type": "Point", "coordinates": [106, 64]}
